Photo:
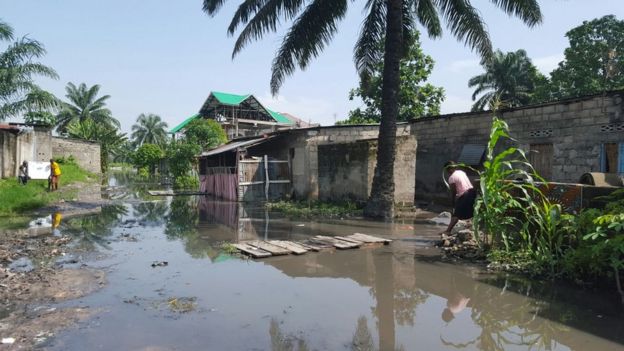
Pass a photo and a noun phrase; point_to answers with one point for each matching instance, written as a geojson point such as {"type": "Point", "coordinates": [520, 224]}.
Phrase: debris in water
{"type": "Point", "coordinates": [182, 304]}
{"type": "Point", "coordinates": [22, 264]}
{"type": "Point", "coordinates": [160, 263]}
{"type": "Point", "coordinates": [8, 340]}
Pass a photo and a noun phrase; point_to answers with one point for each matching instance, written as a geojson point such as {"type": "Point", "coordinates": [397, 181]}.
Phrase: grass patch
{"type": "Point", "coordinates": [316, 209]}
{"type": "Point", "coordinates": [16, 198]}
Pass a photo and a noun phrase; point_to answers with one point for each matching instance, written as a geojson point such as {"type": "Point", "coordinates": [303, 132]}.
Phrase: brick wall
{"type": "Point", "coordinates": [86, 153]}
{"type": "Point", "coordinates": [576, 128]}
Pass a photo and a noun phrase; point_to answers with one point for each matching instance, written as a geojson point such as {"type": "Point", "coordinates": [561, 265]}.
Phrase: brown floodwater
{"type": "Point", "coordinates": [395, 297]}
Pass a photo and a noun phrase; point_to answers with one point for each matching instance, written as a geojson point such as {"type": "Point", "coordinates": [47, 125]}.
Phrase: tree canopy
{"type": "Point", "coordinates": [206, 133]}
{"type": "Point", "coordinates": [111, 141]}
{"type": "Point", "coordinates": [149, 128]}
{"type": "Point", "coordinates": [510, 78]}
{"type": "Point", "coordinates": [18, 68]}
{"type": "Point", "coordinates": [415, 98]}
{"type": "Point", "coordinates": [84, 104]}
{"type": "Point", "coordinates": [594, 62]}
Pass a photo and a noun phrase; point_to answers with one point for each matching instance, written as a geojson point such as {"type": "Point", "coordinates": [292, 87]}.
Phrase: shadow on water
{"type": "Point", "coordinates": [395, 297]}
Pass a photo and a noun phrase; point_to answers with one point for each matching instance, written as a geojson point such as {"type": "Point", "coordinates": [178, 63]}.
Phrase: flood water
{"type": "Point", "coordinates": [395, 297]}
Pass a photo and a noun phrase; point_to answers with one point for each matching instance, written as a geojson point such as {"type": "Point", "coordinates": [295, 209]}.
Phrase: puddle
{"type": "Point", "coordinates": [395, 297]}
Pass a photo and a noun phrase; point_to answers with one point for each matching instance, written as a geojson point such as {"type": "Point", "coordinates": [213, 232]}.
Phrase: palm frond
{"type": "Point", "coordinates": [6, 31]}
{"type": "Point", "coordinates": [244, 12]}
{"type": "Point", "coordinates": [211, 7]}
{"type": "Point", "coordinates": [266, 20]}
{"type": "Point", "coordinates": [367, 52]}
{"type": "Point", "coordinates": [527, 10]}
{"type": "Point", "coordinates": [308, 36]}
{"type": "Point", "coordinates": [464, 21]}
{"type": "Point", "coordinates": [428, 16]}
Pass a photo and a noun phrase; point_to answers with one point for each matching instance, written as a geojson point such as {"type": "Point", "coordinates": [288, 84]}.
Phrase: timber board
{"type": "Point", "coordinates": [339, 244]}
{"type": "Point", "coordinates": [273, 249]}
{"type": "Point", "coordinates": [289, 245]}
{"type": "Point", "coordinates": [369, 238]}
{"type": "Point", "coordinates": [252, 251]}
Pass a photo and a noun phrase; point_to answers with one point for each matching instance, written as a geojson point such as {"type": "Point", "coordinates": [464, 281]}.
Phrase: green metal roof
{"type": "Point", "coordinates": [229, 99]}
{"type": "Point", "coordinates": [280, 118]}
{"type": "Point", "coordinates": [183, 124]}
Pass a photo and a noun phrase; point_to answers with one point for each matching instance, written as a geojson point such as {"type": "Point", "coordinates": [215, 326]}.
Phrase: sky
{"type": "Point", "coordinates": [164, 57]}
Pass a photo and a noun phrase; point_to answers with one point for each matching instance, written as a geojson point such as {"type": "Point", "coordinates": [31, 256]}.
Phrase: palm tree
{"type": "Point", "coordinates": [149, 129]}
{"type": "Point", "coordinates": [111, 141]}
{"type": "Point", "coordinates": [510, 77]}
{"type": "Point", "coordinates": [84, 105]}
{"type": "Point", "coordinates": [18, 92]}
{"type": "Point", "coordinates": [315, 23]}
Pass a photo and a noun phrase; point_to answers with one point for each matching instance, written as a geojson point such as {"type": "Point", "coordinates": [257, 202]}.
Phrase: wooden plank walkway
{"type": "Point", "coordinates": [262, 249]}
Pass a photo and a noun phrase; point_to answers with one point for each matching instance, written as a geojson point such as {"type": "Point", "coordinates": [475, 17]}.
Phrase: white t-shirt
{"type": "Point", "coordinates": [461, 181]}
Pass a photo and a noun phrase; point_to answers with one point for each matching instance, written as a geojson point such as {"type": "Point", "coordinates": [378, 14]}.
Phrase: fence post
{"type": "Point", "coordinates": [266, 177]}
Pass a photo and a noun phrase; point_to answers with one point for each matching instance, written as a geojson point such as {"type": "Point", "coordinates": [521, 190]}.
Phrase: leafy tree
{"type": "Point", "coordinates": [181, 157]}
{"type": "Point", "coordinates": [111, 141]}
{"type": "Point", "coordinates": [415, 100]}
{"type": "Point", "coordinates": [206, 133]}
{"type": "Point", "coordinates": [510, 77]}
{"type": "Point", "coordinates": [315, 22]}
{"type": "Point", "coordinates": [18, 68]}
{"type": "Point", "coordinates": [594, 62]}
{"type": "Point", "coordinates": [84, 105]}
{"type": "Point", "coordinates": [147, 156]}
{"type": "Point", "coordinates": [149, 129]}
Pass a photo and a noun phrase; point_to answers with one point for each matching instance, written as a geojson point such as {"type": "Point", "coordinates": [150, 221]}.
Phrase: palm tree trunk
{"type": "Point", "coordinates": [381, 201]}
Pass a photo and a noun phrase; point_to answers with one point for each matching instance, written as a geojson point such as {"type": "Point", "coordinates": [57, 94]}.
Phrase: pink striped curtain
{"type": "Point", "coordinates": [219, 184]}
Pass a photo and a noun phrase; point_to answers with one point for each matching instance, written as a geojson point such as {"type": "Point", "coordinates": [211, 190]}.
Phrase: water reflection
{"type": "Point", "coordinates": [93, 231]}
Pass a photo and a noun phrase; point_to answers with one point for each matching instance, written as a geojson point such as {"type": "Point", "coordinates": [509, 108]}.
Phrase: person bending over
{"type": "Point", "coordinates": [463, 195]}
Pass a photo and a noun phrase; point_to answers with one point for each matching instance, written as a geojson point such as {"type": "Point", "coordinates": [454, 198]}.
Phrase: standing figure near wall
{"type": "Point", "coordinates": [55, 174]}
{"type": "Point", "coordinates": [22, 176]}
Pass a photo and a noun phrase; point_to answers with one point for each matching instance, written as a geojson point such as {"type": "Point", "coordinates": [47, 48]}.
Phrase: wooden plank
{"type": "Point", "coordinates": [279, 181]}
{"type": "Point", "coordinates": [161, 192]}
{"type": "Point", "coordinates": [351, 240]}
{"type": "Point", "coordinates": [274, 250]}
{"type": "Point", "coordinates": [289, 245]}
{"type": "Point", "coordinates": [252, 251]}
{"type": "Point", "coordinates": [369, 238]}
{"type": "Point", "coordinates": [339, 244]}
{"type": "Point", "coordinates": [315, 246]}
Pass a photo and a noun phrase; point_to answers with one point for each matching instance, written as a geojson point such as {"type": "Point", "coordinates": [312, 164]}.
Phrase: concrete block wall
{"type": "Point", "coordinates": [28, 145]}
{"type": "Point", "coordinates": [86, 153]}
{"type": "Point", "coordinates": [576, 128]}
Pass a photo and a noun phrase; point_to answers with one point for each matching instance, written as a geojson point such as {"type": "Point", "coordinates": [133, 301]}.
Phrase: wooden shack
{"type": "Point", "coordinates": [243, 171]}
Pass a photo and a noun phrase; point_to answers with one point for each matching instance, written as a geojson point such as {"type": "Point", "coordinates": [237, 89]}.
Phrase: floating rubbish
{"type": "Point", "coordinates": [8, 340]}
{"type": "Point", "coordinates": [160, 263]}
{"type": "Point", "coordinates": [22, 264]}
{"type": "Point", "coordinates": [300, 225]}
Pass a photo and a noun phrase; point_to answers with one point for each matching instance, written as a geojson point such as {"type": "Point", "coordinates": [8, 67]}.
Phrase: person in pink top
{"type": "Point", "coordinates": [463, 195]}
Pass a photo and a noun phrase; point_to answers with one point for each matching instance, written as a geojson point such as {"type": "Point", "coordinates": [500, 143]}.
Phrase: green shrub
{"type": "Point", "coordinates": [186, 182]}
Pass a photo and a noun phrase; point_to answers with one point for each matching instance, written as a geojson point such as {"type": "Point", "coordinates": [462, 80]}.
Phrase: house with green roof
{"type": "Point", "coordinates": [240, 115]}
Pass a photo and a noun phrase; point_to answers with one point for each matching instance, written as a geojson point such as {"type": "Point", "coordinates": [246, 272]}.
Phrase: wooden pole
{"type": "Point", "coordinates": [266, 177]}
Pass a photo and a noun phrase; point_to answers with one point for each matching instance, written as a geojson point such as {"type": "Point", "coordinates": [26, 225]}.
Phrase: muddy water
{"type": "Point", "coordinates": [395, 297]}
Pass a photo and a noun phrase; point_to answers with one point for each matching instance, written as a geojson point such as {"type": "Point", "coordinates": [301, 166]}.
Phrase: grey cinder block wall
{"type": "Point", "coordinates": [565, 139]}
{"type": "Point", "coordinates": [86, 153]}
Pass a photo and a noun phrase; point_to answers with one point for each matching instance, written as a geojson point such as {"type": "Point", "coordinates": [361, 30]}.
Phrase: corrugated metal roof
{"type": "Point", "coordinates": [279, 118]}
{"type": "Point", "coordinates": [471, 154]}
{"type": "Point", "coordinates": [233, 146]}
{"type": "Point", "coordinates": [183, 124]}
{"type": "Point", "coordinates": [229, 99]}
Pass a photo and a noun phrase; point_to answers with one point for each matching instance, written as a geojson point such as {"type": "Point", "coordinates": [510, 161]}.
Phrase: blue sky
{"type": "Point", "coordinates": [165, 57]}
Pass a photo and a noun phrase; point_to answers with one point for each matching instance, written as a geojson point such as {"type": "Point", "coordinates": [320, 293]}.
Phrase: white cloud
{"type": "Point", "coordinates": [464, 65]}
{"type": "Point", "coordinates": [547, 64]}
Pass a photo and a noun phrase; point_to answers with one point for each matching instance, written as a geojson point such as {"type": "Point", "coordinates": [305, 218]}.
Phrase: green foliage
{"type": "Point", "coordinates": [206, 133]}
{"type": "Point", "coordinates": [109, 138]}
{"type": "Point", "coordinates": [45, 118]}
{"type": "Point", "coordinates": [315, 209]}
{"type": "Point", "coordinates": [594, 62]}
{"type": "Point", "coordinates": [84, 106]}
{"type": "Point", "coordinates": [415, 99]}
{"type": "Point", "coordinates": [509, 77]}
{"type": "Point", "coordinates": [70, 160]}
{"type": "Point", "coordinates": [182, 157]}
{"type": "Point", "coordinates": [18, 70]}
{"type": "Point", "coordinates": [148, 156]}
{"type": "Point", "coordinates": [188, 182]}
{"type": "Point", "coordinates": [149, 128]}
{"type": "Point", "coordinates": [16, 198]}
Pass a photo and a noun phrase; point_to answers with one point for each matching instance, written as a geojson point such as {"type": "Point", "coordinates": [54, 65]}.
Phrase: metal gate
{"type": "Point", "coordinates": [263, 179]}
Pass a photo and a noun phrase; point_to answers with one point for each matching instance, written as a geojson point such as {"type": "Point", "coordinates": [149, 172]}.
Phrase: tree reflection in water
{"type": "Point", "coordinates": [285, 342]}
{"type": "Point", "coordinates": [91, 232]}
{"type": "Point", "coordinates": [151, 214]}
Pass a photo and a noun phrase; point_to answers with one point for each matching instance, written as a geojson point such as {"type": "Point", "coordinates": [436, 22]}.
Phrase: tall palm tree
{"type": "Point", "coordinates": [111, 141]}
{"type": "Point", "coordinates": [149, 129]}
{"type": "Point", "coordinates": [315, 23]}
{"type": "Point", "coordinates": [18, 68]}
{"type": "Point", "coordinates": [84, 105]}
{"type": "Point", "coordinates": [510, 77]}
